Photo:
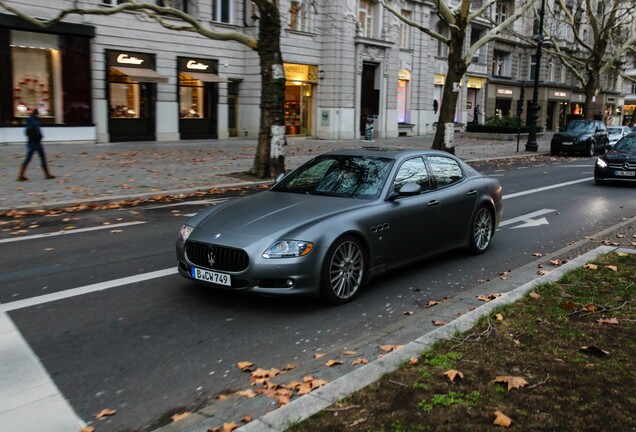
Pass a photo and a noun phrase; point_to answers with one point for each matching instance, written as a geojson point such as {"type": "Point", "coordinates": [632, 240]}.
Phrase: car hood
{"type": "Point", "coordinates": [571, 135]}
{"type": "Point", "coordinates": [620, 156]}
{"type": "Point", "coordinates": [269, 212]}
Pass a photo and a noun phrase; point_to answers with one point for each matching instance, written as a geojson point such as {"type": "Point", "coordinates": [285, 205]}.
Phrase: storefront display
{"type": "Point", "coordinates": [198, 98]}
{"type": "Point", "coordinates": [299, 85]}
{"type": "Point", "coordinates": [131, 95]}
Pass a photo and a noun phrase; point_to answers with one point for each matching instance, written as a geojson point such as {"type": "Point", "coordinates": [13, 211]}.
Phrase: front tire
{"type": "Point", "coordinates": [482, 229]}
{"type": "Point", "coordinates": [344, 271]}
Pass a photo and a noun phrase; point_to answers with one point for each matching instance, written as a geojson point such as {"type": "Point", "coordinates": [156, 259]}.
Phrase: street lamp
{"type": "Point", "coordinates": [534, 106]}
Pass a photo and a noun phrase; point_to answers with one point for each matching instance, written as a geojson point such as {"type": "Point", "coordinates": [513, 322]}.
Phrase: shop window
{"type": "Point", "coordinates": [127, 97]}
{"type": "Point", "coordinates": [406, 31]}
{"type": "Point", "coordinates": [223, 11]}
{"type": "Point", "coordinates": [402, 94]}
{"type": "Point", "coordinates": [37, 77]}
{"type": "Point", "coordinates": [191, 97]}
{"type": "Point", "coordinates": [300, 16]}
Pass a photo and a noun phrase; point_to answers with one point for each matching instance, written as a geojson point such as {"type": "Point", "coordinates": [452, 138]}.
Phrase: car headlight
{"type": "Point", "coordinates": [185, 232]}
{"type": "Point", "coordinates": [601, 163]}
{"type": "Point", "coordinates": [288, 249]}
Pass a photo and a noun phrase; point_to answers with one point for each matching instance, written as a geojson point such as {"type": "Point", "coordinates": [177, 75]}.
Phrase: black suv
{"type": "Point", "coordinates": [581, 136]}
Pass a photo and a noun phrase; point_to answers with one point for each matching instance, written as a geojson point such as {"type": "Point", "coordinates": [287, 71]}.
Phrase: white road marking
{"type": "Point", "coordinates": [189, 203]}
{"type": "Point", "coordinates": [29, 399]}
{"type": "Point", "coordinates": [101, 286]}
{"type": "Point", "coordinates": [71, 231]}
{"type": "Point", "coordinates": [545, 188]}
{"type": "Point", "coordinates": [526, 217]}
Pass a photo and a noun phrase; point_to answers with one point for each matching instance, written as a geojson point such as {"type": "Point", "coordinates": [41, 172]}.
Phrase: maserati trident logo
{"type": "Point", "coordinates": [211, 258]}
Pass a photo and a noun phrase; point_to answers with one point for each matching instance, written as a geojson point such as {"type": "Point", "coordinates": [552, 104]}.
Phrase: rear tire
{"type": "Point", "coordinates": [482, 228]}
{"type": "Point", "coordinates": [344, 271]}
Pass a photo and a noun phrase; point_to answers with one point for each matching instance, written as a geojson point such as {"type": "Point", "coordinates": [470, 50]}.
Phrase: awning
{"type": "Point", "coordinates": [206, 77]}
{"type": "Point", "coordinates": [142, 74]}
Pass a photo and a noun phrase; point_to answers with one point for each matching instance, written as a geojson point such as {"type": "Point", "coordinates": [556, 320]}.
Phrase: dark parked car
{"type": "Point", "coordinates": [581, 136]}
{"type": "Point", "coordinates": [619, 164]}
{"type": "Point", "coordinates": [330, 225]}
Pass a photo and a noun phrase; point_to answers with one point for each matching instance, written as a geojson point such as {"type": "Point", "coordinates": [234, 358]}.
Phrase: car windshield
{"type": "Point", "coordinates": [339, 175]}
{"type": "Point", "coordinates": [580, 126]}
{"type": "Point", "coordinates": [614, 130]}
{"type": "Point", "coordinates": [626, 144]}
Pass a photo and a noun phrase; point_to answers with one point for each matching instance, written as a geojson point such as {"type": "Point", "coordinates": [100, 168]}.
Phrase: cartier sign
{"type": "Point", "coordinates": [126, 59]}
{"type": "Point", "coordinates": [192, 64]}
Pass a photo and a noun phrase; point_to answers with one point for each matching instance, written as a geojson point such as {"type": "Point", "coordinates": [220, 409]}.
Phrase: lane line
{"type": "Point", "coordinates": [72, 231]}
{"type": "Point", "coordinates": [29, 399]}
{"type": "Point", "coordinates": [101, 286]}
{"type": "Point", "coordinates": [526, 217]}
{"type": "Point", "coordinates": [545, 188]}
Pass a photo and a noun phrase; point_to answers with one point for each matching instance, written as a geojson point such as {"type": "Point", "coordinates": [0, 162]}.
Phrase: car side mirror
{"type": "Point", "coordinates": [408, 189]}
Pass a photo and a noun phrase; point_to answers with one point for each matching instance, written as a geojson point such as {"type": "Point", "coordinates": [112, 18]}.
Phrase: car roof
{"type": "Point", "coordinates": [392, 153]}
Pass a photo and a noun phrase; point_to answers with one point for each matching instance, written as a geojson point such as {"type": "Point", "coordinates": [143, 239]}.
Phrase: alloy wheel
{"type": "Point", "coordinates": [482, 230]}
{"type": "Point", "coordinates": [346, 269]}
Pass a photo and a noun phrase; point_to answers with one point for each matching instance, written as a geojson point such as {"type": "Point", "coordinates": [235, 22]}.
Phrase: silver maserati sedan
{"type": "Point", "coordinates": [328, 227]}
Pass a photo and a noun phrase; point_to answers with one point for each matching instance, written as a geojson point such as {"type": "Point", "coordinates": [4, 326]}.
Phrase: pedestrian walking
{"type": "Point", "coordinates": [34, 144]}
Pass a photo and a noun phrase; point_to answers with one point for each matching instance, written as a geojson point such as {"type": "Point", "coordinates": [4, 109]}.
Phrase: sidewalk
{"type": "Point", "coordinates": [133, 170]}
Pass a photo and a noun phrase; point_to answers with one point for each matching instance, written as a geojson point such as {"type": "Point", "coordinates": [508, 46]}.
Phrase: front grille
{"type": "Point", "coordinates": [621, 165]}
{"type": "Point", "coordinates": [224, 258]}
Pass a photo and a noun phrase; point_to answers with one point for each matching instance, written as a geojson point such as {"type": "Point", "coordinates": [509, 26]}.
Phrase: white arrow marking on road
{"type": "Point", "coordinates": [532, 223]}
{"type": "Point", "coordinates": [528, 219]}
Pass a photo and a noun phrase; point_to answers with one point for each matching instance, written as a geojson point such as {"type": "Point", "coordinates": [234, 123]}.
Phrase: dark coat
{"type": "Point", "coordinates": [33, 130]}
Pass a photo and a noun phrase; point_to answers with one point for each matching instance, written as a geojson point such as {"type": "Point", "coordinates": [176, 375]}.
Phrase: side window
{"type": "Point", "coordinates": [445, 170]}
{"type": "Point", "coordinates": [412, 171]}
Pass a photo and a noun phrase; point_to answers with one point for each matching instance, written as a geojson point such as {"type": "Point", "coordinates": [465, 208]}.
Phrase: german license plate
{"type": "Point", "coordinates": [210, 276]}
{"type": "Point", "coordinates": [625, 173]}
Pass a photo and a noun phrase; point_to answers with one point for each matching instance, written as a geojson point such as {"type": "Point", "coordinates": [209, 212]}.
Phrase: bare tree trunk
{"type": "Point", "coordinates": [456, 70]}
{"type": "Point", "coordinates": [270, 159]}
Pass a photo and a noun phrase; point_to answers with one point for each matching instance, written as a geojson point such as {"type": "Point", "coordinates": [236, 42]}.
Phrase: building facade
{"type": "Point", "coordinates": [348, 64]}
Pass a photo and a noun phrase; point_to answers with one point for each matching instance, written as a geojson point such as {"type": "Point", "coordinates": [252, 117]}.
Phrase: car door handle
{"type": "Point", "coordinates": [472, 192]}
{"type": "Point", "coordinates": [433, 203]}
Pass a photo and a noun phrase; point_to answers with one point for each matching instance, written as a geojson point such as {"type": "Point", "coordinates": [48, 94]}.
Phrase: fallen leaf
{"type": "Point", "coordinates": [534, 295]}
{"type": "Point", "coordinates": [48, 249]}
{"type": "Point", "coordinates": [246, 393]}
{"type": "Point", "coordinates": [502, 420]}
{"type": "Point", "coordinates": [289, 367]}
{"type": "Point", "coordinates": [227, 427]}
{"type": "Point", "coordinates": [318, 355]}
{"type": "Point", "coordinates": [612, 268]}
{"type": "Point", "coordinates": [414, 361]}
{"type": "Point", "coordinates": [621, 254]}
{"type": "Point", "coordinates": [331, 363]}
{"type": "Point", "coordinates": [590, 266]}
{"type": "Point", "coordinates": [357, 422]}
{"type": "Point", "coordinates": [568, 305]}
{"type": "Point", "coordinates": [389, 348]}
{"type": "Point", "coordinates": [359, 361]}
{"type": "Point", "coordinates": [105, 413]}
{"type": "Point", "coordinates": [488, 297]}
{"type": "Point", "coordinates": [452, 374]}
{"type": "Point", "coordinates": [180, 416]}
{"type": "Point", "coordinates": [432, 303]}
{"type": "Point", "coordinates": [408, 313]}
{"type": "Point", "coordinates": [543, 272]}
{"type": "Point", "coordinates": [117, 231]}
{"type": "Point", "coordinates": [351, 353]}
{"type": "Point", "coordinates": [439, 323]}
{"type": "Point", "coordinates": [512, 381]}
{"type": "Point", "coordinates": [590, 307]}
{"type": "Point", "coordinates": [245, 366]}
{"type": "Point", "coordinates": [609, 321]}
{"type": "Point", "coordinates": [537, 254]}
{"type": "Point", "coordinates": [595, 351]}
{"type": "Point", "coordinates": [499, 317]}
{"type": "Point", "coordinates": [247, 419]}
{"type": "Point", "coordinates": [87, 429]}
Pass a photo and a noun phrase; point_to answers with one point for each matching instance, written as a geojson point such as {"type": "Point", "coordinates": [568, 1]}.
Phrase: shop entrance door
{"type": "Point", "coordinates": [369, 94]}
{"type": "Point", "coordinates": [298, 112]}
{"type": "Point", "coordinates": [132, 111]}
{"type": "Point", "coordinates": [549, 115]}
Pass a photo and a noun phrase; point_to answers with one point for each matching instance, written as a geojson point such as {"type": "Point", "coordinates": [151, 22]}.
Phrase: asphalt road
{"type": "Point", "coordinates": [150, 348]}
